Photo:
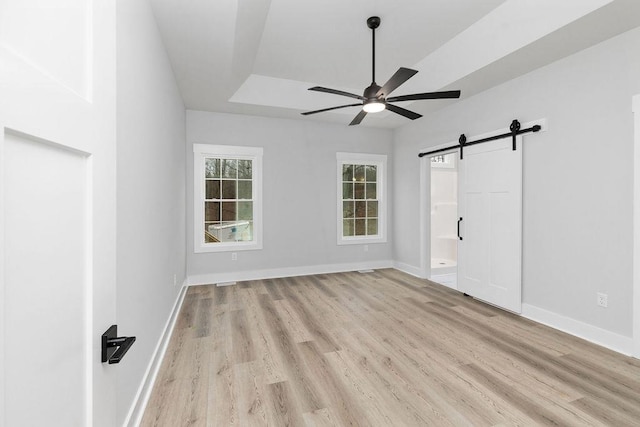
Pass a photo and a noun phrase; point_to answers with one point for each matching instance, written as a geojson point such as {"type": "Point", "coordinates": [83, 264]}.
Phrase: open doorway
{"type": "Point", "coordinates": [444, 217]}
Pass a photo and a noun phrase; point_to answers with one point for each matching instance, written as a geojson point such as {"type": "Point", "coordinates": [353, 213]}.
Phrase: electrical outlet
{"type": "Point", "coordinates": [234, 256]}
{"type": "Point", "coordinates": [175, 280]}
{"type": "Point", "coordinates": [366, 248]}
{"type": "Point", "coordinates": [602, 299]}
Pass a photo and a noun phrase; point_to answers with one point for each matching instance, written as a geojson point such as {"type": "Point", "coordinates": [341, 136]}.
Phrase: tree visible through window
{"type": "Point", "coordinates": [228, 203]}
{"type": "Point", "coordinates": [361, 198]}
{"type": "Point", "coordinates": [227, 198]}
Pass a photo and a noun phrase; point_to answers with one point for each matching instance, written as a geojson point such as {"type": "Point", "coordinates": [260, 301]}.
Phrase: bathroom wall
{"type": "Point", "coordinates": [444, 212]}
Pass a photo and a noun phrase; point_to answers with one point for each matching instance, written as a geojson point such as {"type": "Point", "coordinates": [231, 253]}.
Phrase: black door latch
{"type": "Point", "coordinates": [114, 347]}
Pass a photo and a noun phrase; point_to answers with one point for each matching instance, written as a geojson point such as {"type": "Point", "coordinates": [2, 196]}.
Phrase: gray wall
{"type": "Point", "coordinates": [150, 191]}
{"type": "Point", "coordinates": [299, 190]}
{"type": "Point", "coordinates": [577, 237]}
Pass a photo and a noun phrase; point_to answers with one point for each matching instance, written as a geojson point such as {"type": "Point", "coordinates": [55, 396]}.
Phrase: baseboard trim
{"type": "Point", "coordinates": [238, 276]}
{"type": "Point", "coordinates": [134, 417]}
{"type": "Point", "coordinates": [611, 340]}
{"type": "Point", "coordinates": [410, 269]}
{"type": "Point", "coordinates": [444, 280]}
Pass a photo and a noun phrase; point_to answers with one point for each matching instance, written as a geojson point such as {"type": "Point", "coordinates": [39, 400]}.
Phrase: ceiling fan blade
{"type": "Point", "coordinates": [408, 114]}
{"type": "Point", "coordinates": [428, 95]}
{"type": "Point", "coordinates": [306, 113]}
{"type": "Point", "coordinates": [357, 119]}
{"type": "Point", "coordinates": [336, 92]}
{"type": "Point", "coordinates": [401, 76]}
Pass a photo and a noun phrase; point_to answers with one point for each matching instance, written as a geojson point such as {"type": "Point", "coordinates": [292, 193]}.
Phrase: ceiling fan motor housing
{"type": "Point", "coordinates": [371, 93]}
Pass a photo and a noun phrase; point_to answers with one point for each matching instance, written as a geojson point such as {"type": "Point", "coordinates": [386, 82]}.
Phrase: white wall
{"type": "Point", "coordinates": [299, 185]}
{"type": "Point", "coordinates": [577, 237]}
{"type": "Point", "coordinates": [150, 191]}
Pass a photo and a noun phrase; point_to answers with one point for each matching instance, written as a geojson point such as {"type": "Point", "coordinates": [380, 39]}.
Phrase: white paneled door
{"type": "Point", "coordinates": [490, 223]}
{"type": "Point", "coordinates": [57, 211]}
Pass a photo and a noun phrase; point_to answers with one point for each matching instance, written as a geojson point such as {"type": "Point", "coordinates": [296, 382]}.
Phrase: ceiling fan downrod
{"type": "Point", "coordinates": [373, 23]}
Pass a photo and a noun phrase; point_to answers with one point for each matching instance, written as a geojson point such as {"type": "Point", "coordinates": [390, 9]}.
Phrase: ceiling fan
{"type": "Point", "coordinates": [376, 98]}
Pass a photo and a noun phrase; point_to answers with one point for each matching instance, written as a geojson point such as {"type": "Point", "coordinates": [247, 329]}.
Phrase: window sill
{"type": "Point", "coordinates": [364, 240]}
{"type": "Point", "coordinates": [227, 247]}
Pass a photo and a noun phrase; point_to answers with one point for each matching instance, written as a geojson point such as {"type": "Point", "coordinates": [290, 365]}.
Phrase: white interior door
{"type": "Point", "coordinates": [490, 205]}
{"type": "Point", "coordinates": [46, 295]}
{"type": "Point", "coordinates": [57, 211]}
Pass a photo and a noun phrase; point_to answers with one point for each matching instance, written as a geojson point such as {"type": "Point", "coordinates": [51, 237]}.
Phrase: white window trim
{"type": "Point", "coordinates": [380, 160]}
{"type": "Point", "coordinates": [200, 152]}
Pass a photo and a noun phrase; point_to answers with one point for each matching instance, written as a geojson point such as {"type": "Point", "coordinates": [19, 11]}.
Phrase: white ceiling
{"type": "Point", "coordinates": [260, 56]}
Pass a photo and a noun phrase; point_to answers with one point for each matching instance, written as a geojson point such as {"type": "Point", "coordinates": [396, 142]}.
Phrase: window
{"type": "Point", "coordinates": [361, 198]}
{"type": "Point", "coordinates": [227, 197]}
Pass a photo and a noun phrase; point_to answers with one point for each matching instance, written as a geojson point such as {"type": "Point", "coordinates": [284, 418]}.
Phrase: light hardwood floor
{"type": "Point", "coordinates": [378, 349]}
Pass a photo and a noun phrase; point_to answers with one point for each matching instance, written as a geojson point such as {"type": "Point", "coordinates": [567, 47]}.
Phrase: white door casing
{"type": "Point", "coordinates": [490, 205]}
{"type": "Point", "coordinates": [636, 227]}
{"type": "Point", "coordinates": [57, 211]}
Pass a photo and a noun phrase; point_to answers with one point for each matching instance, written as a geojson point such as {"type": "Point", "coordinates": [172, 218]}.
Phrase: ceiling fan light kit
{"type": "Point", "coordinates": [376, 98]}
{"type": "Point", "coordinates": [373, 106]}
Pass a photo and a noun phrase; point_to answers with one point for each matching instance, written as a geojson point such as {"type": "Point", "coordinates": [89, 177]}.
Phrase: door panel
{"type": "Point", "coordinates": [472, 238]}
{"type": "Point", "coordinates": [57, 211]}
{"type": "Point", "coordinates": [46, 275]}
{"type": "Point", "coordinates": [489, 256]}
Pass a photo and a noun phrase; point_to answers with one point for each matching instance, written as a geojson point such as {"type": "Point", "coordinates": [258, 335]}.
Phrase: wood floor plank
{"type": "Point", "coordinates": [294, 324]}
{"type": "Point", "coordinates": [604, 413]}
{"type": "Point", "coordinates": [243, 349]}
{"type": "Point", "coordinates": [189, 384]}
{"type": "Point", "coordinates": [419, 409]}
{"type": "Point", "coordinates": [251, 394]}
{"type": "Point", "coordinates": [202, 321]}
{"type": "Point", "coordinates": [501, 363]}
{"type": "Point", "coordinates": [381, 348]}
{"type": "Point", "coordinates": [222, 406]}
{"type": "Point", "coordinates": [297, 373]}
{"type": "Point", "coordinates": [284, 410]}
{"type": "Point", "coordinates": [220, 294]}
{"type": "Point", "coordinates": [344, 407]}
{"type": "Point", "coordinates": [271, 287]}
{"type": "Point", "coordinates": [321, 418]}
{"type": "Point", "coordinates": [313, 314]}
{"type": "Point", "coordinates": [547, 412]}
{"type": "Point", "coordinates": [266, 349]}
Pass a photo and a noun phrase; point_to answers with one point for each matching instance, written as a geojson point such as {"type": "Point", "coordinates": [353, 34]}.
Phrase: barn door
{"type": "Point", "coordinates": [57, 211]}
{"type": "Point", "coordinates": [490, 223]}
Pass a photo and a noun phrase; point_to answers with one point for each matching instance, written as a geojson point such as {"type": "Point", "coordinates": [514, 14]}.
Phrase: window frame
{"type": "Point", "coordinates": [200, 153]}
{"type": "Point", "coordinates": [380, 161]}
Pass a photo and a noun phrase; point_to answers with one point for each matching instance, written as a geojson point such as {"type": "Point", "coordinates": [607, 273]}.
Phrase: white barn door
{"type": "Point", "coordinates": [57, 211]}
{"type": "Point", "coordinates": [490, 208]}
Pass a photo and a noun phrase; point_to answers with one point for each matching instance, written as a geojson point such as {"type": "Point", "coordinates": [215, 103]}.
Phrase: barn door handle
{"type": "Point", "coordinates": [459, 236]}
{"type": "Point", "coordinates": [114, 347]}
